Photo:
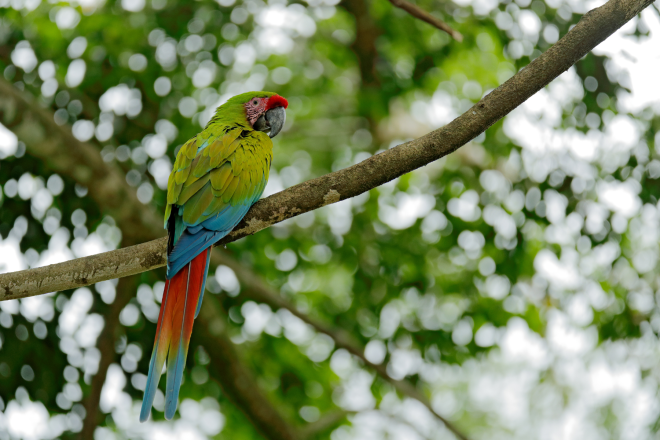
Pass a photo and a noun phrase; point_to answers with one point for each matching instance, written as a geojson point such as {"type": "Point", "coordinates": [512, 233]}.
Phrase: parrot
{"type": "Point", "coordinates": [217, 176]}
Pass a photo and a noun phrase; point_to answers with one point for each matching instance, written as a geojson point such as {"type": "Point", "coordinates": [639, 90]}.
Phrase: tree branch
{"type": "Point", "coordinates": [367, 32]}
{"type": "Point", "coordinates": [420, 13]}
{"type": "Point", "coordinates": [364, 45]}
{"type": "Point", "coordinates": [237, 382]}
{"type": "Point", "coordinates": [258, 291]}
{"type": "Point", "coordinates": [56, 146]}
{"type": "Point", "coordinates": [84, 271]}
{"type": "Point", "coordinates": [593, 28]}
{"type": "Point", "coordinates": [106, 345]}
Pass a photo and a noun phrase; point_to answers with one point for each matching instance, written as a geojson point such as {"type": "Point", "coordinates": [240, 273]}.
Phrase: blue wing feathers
{"type": "Point", "coordinates": [187, 248]}
{"type": "Point", "coordinates": [195, 239]}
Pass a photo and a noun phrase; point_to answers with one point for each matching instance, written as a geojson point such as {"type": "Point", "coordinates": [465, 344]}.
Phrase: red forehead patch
{"type": "Point", "coordinates": [276, 101]}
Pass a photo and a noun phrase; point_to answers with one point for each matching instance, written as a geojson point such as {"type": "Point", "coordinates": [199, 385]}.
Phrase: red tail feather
{"type": "Point", "coordinates": [175, 323]}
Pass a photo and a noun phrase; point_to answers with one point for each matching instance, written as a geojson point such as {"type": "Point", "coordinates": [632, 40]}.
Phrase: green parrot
{"type": "Point", "coordinates": [218, 175]}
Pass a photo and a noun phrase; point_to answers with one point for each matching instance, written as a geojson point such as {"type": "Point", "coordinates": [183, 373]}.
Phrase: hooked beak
{"type": "Point", "coordinates": [272, 121]}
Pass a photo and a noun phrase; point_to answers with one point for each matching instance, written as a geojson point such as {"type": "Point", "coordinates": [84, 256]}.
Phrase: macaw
{"type": "Point", "coordinates": [217, 176]}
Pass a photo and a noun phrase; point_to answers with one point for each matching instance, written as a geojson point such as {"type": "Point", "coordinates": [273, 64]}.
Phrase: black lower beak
{"type": "Point", "coordinates": [272, 121]}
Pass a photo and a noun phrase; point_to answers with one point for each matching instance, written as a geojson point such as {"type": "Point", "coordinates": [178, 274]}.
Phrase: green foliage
{"type": "Point", "coordinates": [439, 271]}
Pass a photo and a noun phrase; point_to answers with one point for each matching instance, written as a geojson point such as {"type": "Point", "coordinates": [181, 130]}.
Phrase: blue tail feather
{"type": "Point", "coordinates": [154, 376]}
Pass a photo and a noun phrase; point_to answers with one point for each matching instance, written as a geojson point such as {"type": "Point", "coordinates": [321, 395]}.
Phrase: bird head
{"type": "Point", "coordinates": [266, 113]}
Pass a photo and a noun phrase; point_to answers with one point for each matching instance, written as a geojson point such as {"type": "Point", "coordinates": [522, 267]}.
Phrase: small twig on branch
{"type": "Point", "coordinates": [593, 28]}
{"type": "Point", "coordinates": [420, 13]}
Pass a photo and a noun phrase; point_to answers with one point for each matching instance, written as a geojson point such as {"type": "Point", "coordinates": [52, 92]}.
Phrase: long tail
{"type": "Point", "coordinates": [180, 306]}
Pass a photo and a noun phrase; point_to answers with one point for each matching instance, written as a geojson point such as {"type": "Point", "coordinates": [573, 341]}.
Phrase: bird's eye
{"type": "Point", "coordinates": [255, 102]}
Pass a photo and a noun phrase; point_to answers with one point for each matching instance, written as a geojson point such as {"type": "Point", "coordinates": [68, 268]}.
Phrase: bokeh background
{"type": "Point", "coordinates": [514, 283]}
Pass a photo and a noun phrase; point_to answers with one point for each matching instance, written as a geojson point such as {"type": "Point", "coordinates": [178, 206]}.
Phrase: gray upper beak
{"type": "Point", "coordinates": [272, 121]}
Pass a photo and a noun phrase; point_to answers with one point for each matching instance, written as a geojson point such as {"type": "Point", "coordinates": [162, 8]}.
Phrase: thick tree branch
{"type": "Point", "coordinates": [592, 29]}
{"type": "Point", "coordinates": [258, 291]}
{"type": "Point", "coordinates": [369, 97]}
{"type": "Point", "coordinates": [364, 46]}
{"type": "Point", "coordinates": [56, 146]}
{"type": "Point", "coordinates": [106, 345]}
{"type": "Point", "coordinates": [84, 271]}
{"type": "Point", "coordinates": [420, 13]}
{"type": "Point", "coordinates": [237, 382]}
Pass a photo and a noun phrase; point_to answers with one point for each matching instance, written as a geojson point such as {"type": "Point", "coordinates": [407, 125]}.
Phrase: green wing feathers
{"type": "Point", "coordinates": [213, 171]}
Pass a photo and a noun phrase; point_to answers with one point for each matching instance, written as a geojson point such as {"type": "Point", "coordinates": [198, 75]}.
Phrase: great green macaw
{"type": "Point", "coordinates": [217, 176]}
